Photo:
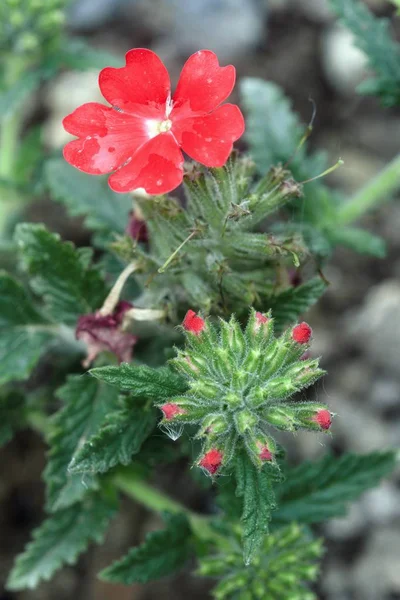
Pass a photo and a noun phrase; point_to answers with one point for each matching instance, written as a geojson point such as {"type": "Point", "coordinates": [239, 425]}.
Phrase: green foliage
{"type": "Point", "coordinates": [162, 553]}
{"type": "Point", "coordinates": [287, 563]}
{"type": "Point", "coordinates": [83, 195]}
{"type": "Point", "coordinates": [12, 414]}
{"type": "Point", "coordinates": [59, 273]}
{"type": "Point", "coordinates": [24, 333]}
{"type": "Point", "coordinates": [314, 492]}
{"type": "Point", "coordinates": [117, 440]}
{"type": "Point", "coordinates": [87, 403]}
{"type": "Point", "coordinates": [142, 381]}
{"type": "Point", "coordinates": [12, 98]}
{"type": "Point", "coordinates": [373, 37]}
{"type": "Point", "coordinates": [358, 240]}
{"type": "Point", "coordinates": [77, 54]}
{"type": "Point", "coordinates": [255, 487]}
{"type": "Point", "coordinates": [60, 539]}
{"type": "Point", "coordinates": [287, 305]}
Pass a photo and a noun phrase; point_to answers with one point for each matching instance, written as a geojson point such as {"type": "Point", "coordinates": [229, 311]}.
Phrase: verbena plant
{"type": "Point", "coordinates": [183, 325]}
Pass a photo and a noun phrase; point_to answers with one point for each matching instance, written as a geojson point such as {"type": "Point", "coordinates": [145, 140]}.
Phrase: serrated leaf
{"type": "Point", "coordinates": [59, 273]}
{"type": "Point", "coordinates": [316, 491]}
{"type": "Point", "coordinates": [358, 240]}
{"type": "Point", "coordinates": [116, 441]}
{"type": "Point", "coordinates": [12, 414]}
{"type": "Point", "coordinates": [142, 381]}
{"type": "Point", "coordinates": [60, 539]}
{"type": "Point", "coordinates": [87, 403]}
{"type": "Point", "coordinates": [24, 333]}
{"type": "Point", "coordinates": [162, 553]}
{"type": "Point", "coordinates": [288, 305]}
{"type": "Point", "coordinates": [373, 37]}
{"type": "Point", "coordinates": [12, 99]}
{"type": "Point", "coordinates": [85, 195]}
{"type": "Point", "coordinates": [255, 487]}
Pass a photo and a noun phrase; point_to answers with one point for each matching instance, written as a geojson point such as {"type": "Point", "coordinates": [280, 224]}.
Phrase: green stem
{"type": "Point", "coordinates": [153, 499]}
{"type": "Point", "coordinates": [375, 192]}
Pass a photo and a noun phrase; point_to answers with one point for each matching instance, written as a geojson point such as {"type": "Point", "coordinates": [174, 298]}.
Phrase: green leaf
{"type": "Point", "coordinates": [358, 240]}
{"type": "Point", "coordinates": [272, 129]}
{"type": "Point", "coordinates": [12, 414]}
{"type": "Point", "coordinates": [85, 195]}
{"type": "Point", "coordinates": [24, 334]}
{"type": "Point", "coordinates": [60, 539]}
{"type": "Point", "coordinates": [77, 54]}
{"type": "Point", "coordinates": [373, 37]}
{"type": "Point", "coordinates": [255, 488]}
{"type": "Point", "coordinates": [162, 553]}
{"type": "Point", "coordinates": [12, 99]}
{"type": "Point", "coordinates": [60, 273]}
{"type": "Point", "coordinates": [142, 381]}
{"type": "Point", "coordinates": [316, 491]}
{"type": "Point", "coordinates": [87, 403]}
{"type": "Point", "coordinates": [291, 303]}
{"type": "Point", "coordinates": [116, 441]}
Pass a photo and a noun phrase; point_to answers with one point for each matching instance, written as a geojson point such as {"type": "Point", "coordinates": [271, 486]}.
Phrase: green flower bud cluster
{"type": "Point", "coordinates": [240, 384]}
{"type": "Point", "coordinates": [281, 571]}
{"type": "Point", "coordinates": [29, 26]}
{"type": "Point", "coordinates": [225, 262]}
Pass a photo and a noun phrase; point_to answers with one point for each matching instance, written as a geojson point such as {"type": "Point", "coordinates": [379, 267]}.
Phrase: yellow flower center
{"type": "Point", "coordinates": [156, 127]}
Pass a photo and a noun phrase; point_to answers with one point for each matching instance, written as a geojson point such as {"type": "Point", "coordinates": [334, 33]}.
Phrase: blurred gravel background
{"type": "Point", "coordinates": [297, 44]}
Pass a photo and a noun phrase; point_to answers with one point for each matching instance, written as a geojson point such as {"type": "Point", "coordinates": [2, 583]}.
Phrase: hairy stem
{"type": "Point", "coordinates": [153, 499]}
{"type": "Point", "coordinates": [374, 193]}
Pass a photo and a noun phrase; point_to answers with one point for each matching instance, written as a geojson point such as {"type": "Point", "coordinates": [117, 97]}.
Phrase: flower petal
{"type": "Point", "coordinates": [141, 87]}
{"type": "Point", "coordinates": [107, 138]}
{"type": "Point", "coordinates": [157, 167]}
{"type": "Point", "coordinates": [202, 86]}
{"type": "Point", "coordinates": [209, 139]}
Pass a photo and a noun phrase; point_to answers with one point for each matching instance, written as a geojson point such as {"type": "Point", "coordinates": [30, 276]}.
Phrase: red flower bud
{"type": "Point", "coordinates": [323, 418]}
{"type": "Point", "coordinates": [302, 333]}
{"type": "Point", "coordinates": [105, 334]}
{"type": "Point", "coordinates": [170, 410]}
{"type": "Point", "coordinates": [261, 319]}
{"type": "Point", "coordinates": [192, 322]}
{"type": "Point", "coordinates": [265, 453]}
{"type": "Point", "coordinates": [211, 461]}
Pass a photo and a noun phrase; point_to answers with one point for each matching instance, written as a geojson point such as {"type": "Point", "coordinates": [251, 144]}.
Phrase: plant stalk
{"type": "Point", "coordinates": [374, 193]}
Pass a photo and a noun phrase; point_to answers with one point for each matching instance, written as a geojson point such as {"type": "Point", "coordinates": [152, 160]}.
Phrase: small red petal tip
{"type": "Point", "coordinates": [261, 319]}
{"type": "Point", "coordinates": [323, 418]}
{"type": "Point", "coordinates": [211, 461]}
{"type": "Point", "coordinates": [266, 454]}
{"type": "Point", "coordinates": [170, 410]}
{"type": "Point", "coordinates": [193, 323]}
{"type": "Point", "coordinates": [302, 333]}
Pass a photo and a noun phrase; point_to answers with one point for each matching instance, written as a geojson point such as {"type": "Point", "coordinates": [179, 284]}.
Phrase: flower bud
{"type": "Point", "coordinates": [213, 425]}
{"type": "Point", "coordinates": [314, 416]}
{"type": "Point", "coordinates": [170, 410]}
{"type": "Point", "coordinates": [281, 418]}
{"type": "Point", "coordinates": [211, 461]}
{"type": "Point", "coordinates": [193, 323]}
{"type": "Point", "coordinates": [245, 420]}
{"type": "Point", "coordinates": [302, 333]}
{"type": "Point", "coordinates": [323, 418]}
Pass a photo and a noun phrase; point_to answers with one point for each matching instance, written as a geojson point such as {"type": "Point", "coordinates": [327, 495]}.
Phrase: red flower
{"type": "Point", "coordinates": [211, 461]}
{"type": "Point", "coordinates": [141, 135]}
{"type": "Point", "coordinates": [170, 410]}
{"type": "Point", "coordinates": [302, 333]}
{"type": "Point", "coordinates": [192, 322]}
{"type": "Point", "coordinates": [323, 418]}
{"type": "Point", "coordinates": [104, 333]}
